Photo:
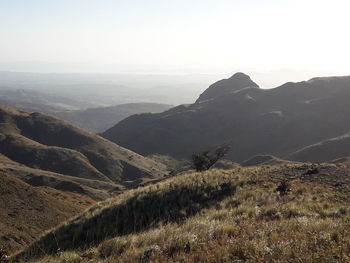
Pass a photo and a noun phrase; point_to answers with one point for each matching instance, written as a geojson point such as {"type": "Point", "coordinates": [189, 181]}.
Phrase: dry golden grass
{"type": "Point", "coordinates": [27, 211]}
{"type": "Point", "coordinates": [249, 223]}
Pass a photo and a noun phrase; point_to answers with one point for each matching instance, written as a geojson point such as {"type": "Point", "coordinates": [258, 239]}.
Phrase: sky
{"type": "Point", "coordinates": [180, 36]}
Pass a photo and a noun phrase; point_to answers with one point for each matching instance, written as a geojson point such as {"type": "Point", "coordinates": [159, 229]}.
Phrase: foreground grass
{"type": "Point", "coordinates": [250, 223]}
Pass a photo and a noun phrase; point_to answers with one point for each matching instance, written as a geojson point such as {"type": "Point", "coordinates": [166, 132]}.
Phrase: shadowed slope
{"type": "Point", "coordinates": [255, 121]}
{"type": "Point", "coordinates": [265, 160]}
{"type": "Point", "coordinates": [324, 151]}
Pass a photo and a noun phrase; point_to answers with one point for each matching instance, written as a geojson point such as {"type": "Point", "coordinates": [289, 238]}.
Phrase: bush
{"type": "Point", "coordinates": [204, 160]}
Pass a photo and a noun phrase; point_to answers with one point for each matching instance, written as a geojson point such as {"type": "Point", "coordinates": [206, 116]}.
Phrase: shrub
{"type": "Point", "coordinates": [204, 160]}
{"type": "Point", "coordinates": [283, 188]}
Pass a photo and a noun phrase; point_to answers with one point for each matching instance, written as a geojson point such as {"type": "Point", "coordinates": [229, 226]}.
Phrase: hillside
{"type": "Point", "coordinates": [254, 121]}
{"type": "Point", "coordinates": [244, 214]}
{"type": "Point", "coordinates": [324, 151]}
{"type": "Point", "coordinates": [264, 160]}
{"type": "Point", "coordinates": [34, 200]}
{"type": "Point", "coordinates": [47, 143]}
{"type": "Point", "coordinates": [51, 171]}
{"type": "Point", "coordinates": [26, 211]}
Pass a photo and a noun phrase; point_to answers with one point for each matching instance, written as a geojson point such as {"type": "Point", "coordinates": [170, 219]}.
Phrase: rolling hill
{"type": "Point", "coordinates": [47, 143]}
{"type": "Point", "coordinates": [51, 171]}
{"type": "Point", "coordinates": [94, 189]}
{"type": "Point", "coordinates": [254, 121]}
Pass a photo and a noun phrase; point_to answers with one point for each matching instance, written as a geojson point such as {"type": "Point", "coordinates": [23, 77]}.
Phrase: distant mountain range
{"type": "Point", "coordinates": [47, 101]}
{"type": "Point", "coordinates": [295, 121]}
{"type": "Point", "coordinates": [91, 119]}
{"type": "Point", "coordinates": [100, 119]}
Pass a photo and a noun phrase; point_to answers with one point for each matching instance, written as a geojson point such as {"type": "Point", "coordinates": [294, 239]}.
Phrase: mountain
{"type": "Point", "coordinates": [254, 121]}
{"type": "Point", "coordinates": [47, 143]}
{"type": "Point", "coordinates": [99, 119]}
{"type": "Point", "coordinates": [265, 214]}
{"type": "Point", "coordinates": [236, 83]}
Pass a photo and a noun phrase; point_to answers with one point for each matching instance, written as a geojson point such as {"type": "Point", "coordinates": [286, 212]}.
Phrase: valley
{"type": "Point", "coordinates": [69, 195]}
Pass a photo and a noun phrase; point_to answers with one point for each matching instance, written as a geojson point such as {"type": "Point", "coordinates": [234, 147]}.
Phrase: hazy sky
{"type": "Point", "coordinates": [200, 36]}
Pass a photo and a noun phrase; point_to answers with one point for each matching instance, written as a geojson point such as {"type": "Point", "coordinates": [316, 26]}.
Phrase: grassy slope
{"type": "Point", "coordinates": [216, 216]}
{"type": "Point", "coordinates": [33, 200]}
{"type": "Point", "coordinates": [27, 211]}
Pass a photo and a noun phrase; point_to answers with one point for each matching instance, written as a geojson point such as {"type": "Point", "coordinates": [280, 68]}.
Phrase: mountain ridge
{"type": "Point", "coordinates": [275, 122]}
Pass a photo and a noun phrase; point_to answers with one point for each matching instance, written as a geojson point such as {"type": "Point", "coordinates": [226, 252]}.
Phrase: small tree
{"type": "Point", "coordinates": [204, 160]}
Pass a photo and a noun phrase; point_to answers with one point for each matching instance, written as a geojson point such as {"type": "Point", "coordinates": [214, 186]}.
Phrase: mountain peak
{"type": "Point", "coordinates": [236, 82]}
{"type": "Point", "coordinates": [239, 75]}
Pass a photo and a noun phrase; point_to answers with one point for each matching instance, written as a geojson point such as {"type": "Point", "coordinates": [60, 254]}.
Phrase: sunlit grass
{"type": "Point", "coordinates": [253, 223]}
